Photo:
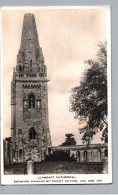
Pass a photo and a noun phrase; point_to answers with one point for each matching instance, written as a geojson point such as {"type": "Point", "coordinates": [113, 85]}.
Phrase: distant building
{"type": "Point", "coordinates": [83, 153]}
{"type": "Point", "coordinates": [29, 99]}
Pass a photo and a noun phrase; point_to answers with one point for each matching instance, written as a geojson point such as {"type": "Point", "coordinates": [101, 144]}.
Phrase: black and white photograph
{"type": "Point", "coordinates": [56, 95]}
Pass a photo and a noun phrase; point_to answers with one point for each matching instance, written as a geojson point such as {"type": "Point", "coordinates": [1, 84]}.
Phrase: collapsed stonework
{"type": "Point", "coordinates": [30, 133]}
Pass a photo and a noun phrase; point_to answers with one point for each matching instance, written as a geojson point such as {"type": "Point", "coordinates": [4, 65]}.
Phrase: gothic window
{"type": "Point", "coordinates": [20, 68]}
{"type": "Point", "coordinates": [99, 155]}
{"type": "Point", "coordinates": [32, 133]}
{"type": "Point", "coordinates": [31, 101]}
{"type": "Point", "coordinates": [85, 155]}
{"type": "Point", "coordinates": [20, 153]}
{"type": "Point", "coordinates": [30, 63]}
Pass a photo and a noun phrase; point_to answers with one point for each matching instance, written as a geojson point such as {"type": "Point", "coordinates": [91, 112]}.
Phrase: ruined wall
{"type": "Point", "coordinates": [83, 153]}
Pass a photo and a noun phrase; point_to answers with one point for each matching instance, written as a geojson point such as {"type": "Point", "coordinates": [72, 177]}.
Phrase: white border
{"type": "Point", "coordinates": [56, 178]}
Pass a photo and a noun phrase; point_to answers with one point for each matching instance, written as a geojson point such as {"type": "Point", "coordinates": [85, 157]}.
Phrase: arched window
{"type": "Point", "coordinates": [99, 155]}
{"type": "Point", "coordinates": [78, 156]}
{"type": "Point", "coordinates": [20, 153]}
{"type": "Point", "coordinates": [20, 68]}
{"type": "Point", "coordinates": [31, 100]}
{"type": "Point", "coordinates": [85, 155]}
{"type": "Point", "coordinates": [32, 133]}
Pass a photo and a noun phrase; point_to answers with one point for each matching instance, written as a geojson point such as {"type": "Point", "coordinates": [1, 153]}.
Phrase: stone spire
{"type": "Point", "coordinates": [30, 132]}
{"type": "Point", "coordinates": [30, 57]}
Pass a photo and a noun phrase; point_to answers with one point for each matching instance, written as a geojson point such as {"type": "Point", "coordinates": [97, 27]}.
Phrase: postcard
{"type": "Point", "coordinates": [56, 95]}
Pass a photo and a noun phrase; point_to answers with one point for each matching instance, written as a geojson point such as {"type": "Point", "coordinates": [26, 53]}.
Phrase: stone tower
{"type": "Point", "coordinates": [29, 99]}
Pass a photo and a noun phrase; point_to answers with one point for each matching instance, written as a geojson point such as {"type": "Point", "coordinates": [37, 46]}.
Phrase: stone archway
{"type": "Point", "coordinates": [78, 156]}
{"type": "Point", "coordinates": [32, 133]}
{"type": "Point", "coordinates": [85, 156]}
{"type": "Point", "coordinates": [99, 155]}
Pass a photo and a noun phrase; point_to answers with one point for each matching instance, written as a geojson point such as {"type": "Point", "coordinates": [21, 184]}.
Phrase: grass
{"type": "Point", "coordinates": [68, 168]}
{"type": "Point", "coordinates": [57, 168]}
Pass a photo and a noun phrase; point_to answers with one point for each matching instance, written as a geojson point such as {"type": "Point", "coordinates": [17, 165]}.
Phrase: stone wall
{"type": "Point", "coordinates": [83, 153]}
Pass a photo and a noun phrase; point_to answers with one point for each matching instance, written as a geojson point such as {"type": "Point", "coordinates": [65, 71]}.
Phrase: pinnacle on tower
{"type": "Point", "coordinates": [30, 57]}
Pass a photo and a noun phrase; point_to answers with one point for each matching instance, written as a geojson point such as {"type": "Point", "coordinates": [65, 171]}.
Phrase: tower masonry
{"type": "Point", "coordinates": [29, 99]}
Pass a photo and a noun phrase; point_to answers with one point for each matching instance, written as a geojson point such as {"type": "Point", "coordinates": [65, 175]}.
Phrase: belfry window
{"type": "Point", "coordinates": [31, 100]}
{"type": "Point", "coordinates": [32, 133]}
{"type": "Point", "coordinates": [20, 68]}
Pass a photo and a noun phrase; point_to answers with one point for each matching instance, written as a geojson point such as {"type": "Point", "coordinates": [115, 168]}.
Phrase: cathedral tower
{"type": "Point", "coordinates": [29, 99]}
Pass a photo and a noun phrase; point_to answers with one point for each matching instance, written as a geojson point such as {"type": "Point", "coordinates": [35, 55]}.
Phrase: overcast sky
{"type": "Point", "coordinates": [67, 37]}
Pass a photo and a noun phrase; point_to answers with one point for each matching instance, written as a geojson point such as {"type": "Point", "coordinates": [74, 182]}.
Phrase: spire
{"type": "Point", "coordinates": [29, 39]}
{"type": "Point", "coordinates": [30, 57]}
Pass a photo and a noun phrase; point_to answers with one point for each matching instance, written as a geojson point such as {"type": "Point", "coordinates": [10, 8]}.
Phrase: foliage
{"type": "Point", "coordinates": [89, 99]}
{"type": "Point", "coordinates": [70, 140]}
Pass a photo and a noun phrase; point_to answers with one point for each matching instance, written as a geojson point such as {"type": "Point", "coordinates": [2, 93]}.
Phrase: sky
{"type": "Point", "coordinates": [68, 37]}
